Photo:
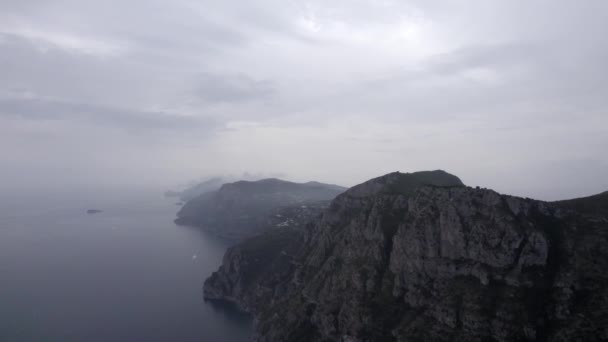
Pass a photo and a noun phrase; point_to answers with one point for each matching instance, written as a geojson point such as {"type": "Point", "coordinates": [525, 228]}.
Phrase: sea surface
{"type": "Point", "coordinates": [125, 274]}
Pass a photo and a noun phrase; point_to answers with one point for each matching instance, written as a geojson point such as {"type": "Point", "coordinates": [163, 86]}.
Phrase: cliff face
{"type": "Point", "coordinates": [405, 257]}
{"type": "Point", "coordinates": [243, 208]}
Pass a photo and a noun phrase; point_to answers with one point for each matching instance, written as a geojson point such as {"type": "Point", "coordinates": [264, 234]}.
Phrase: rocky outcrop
{"type": "Point", "coordinates": [420, 257]}
{"type": "Point", "coordinates": [242, 209]}
{"type": "Point", "coordinates": [262, 259]}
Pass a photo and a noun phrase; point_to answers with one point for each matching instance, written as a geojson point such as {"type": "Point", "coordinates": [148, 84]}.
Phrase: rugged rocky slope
{"type": "Point", "coordinates": [596, 205]}
{"type": "Point", "coordinates": [243, 208]}
{"type": "Point", "coordinates": [420, 257]}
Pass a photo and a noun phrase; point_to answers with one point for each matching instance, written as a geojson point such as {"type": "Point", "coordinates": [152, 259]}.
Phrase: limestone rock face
{"type": "Point", "coordinates": [421, 257]}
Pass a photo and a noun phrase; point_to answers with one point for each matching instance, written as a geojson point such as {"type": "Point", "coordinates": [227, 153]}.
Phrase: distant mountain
{"type": "Point", "coordinates": [421, 257]}
{"type": "Point", "coordinates": [243, 208]}
{"type": "Point", "coordinates": [209, 185]}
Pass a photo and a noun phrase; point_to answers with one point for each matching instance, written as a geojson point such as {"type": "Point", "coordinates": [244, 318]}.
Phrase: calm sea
{"type": "Point", "coordinates": [126, 274]}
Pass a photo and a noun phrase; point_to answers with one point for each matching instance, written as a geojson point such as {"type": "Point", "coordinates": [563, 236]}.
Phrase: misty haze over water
{"type": "Point", "coordinates": [126, 274]}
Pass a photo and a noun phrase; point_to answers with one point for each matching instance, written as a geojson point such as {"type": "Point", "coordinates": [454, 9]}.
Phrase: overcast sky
{"type": "Point", "coordinates": [511, 95]}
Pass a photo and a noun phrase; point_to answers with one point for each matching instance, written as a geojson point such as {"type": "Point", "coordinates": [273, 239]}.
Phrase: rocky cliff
{"type": "Point", "coordinates": [242, 209]}
{"type": "Point", "coordinates": [596, 205]}
{"type": "Point", "coordinates": [420, 257]}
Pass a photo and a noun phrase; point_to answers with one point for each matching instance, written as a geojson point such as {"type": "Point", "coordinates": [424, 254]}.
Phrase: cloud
{"type": "Point", "coordinates": [232, 88]}
{"type": "Point", "coordinates": [29, 106]}
{"type": "Point", "coordinates": [338, 91]}
{"type": "Point", "coordinates": [43, 40]}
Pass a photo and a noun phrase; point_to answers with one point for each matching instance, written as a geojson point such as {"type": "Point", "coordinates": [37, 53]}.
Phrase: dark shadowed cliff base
{"type": "Point", "coordinates": [421, 257]}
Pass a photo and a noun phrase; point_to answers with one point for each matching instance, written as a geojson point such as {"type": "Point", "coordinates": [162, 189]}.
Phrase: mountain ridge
{"type": "Point", "coordinates": [431, 263]}
{"type": "Point", "coordinates": [242, 209]}
{"type": "Point", "coordinates": [589, 205]}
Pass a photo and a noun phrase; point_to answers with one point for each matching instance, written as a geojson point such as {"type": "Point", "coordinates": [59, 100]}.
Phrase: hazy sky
{"type": "Point", "coordinates": [511, 95]}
